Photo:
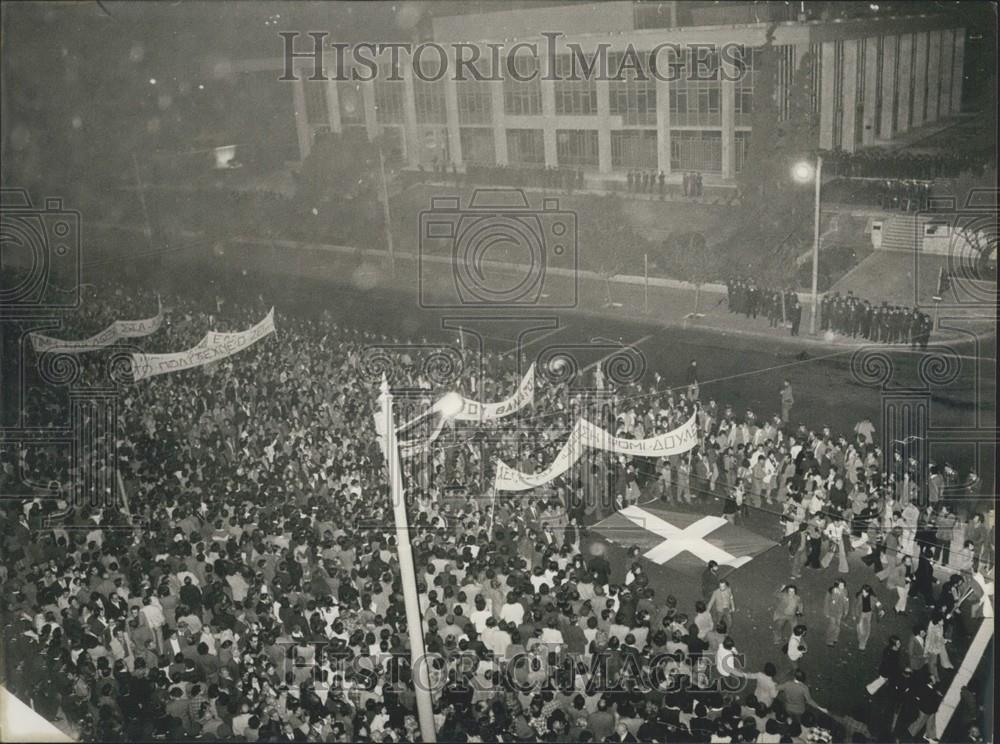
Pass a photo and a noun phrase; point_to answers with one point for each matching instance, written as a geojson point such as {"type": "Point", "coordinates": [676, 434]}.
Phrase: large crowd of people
{"type": "Point", "coordinates": [255, 594]}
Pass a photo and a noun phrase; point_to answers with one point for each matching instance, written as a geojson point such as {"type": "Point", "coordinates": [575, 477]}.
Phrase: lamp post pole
{"type": "Point", "coordinates": [407, 576]}
{"type": "Point", "coordinates": [815, 275]}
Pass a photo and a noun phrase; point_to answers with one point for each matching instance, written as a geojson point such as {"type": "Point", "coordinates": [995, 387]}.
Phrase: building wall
{"type": "Point", "coordinates": [877, 79]}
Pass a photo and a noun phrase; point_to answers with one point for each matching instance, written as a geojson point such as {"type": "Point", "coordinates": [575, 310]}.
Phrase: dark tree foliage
{"type": "Point", "coordinates": [338, 191]}
{"type": "Point", "coordinates": [774, 218]}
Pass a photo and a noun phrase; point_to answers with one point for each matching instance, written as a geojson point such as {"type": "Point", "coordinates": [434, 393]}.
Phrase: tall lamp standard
{"type": "Point", "coordinates": [448, 406]}
{"type": "Point", "coordinates": [803, 172]}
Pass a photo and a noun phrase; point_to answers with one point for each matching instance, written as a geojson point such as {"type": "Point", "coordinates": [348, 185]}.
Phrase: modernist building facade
{"type": "Point", "coordinates": [874, 79]}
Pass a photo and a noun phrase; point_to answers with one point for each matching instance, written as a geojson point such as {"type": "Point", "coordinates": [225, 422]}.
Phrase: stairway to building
{"type": "Point", "coordinates": [903, 232]}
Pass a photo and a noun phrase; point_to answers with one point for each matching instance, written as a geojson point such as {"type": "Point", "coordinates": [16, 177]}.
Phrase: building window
{"type": "Point", "coordinates": [523, 98]}
{"type": "Point", "coordinates": [352, 104]}
{"type": "Point", "coordinates": [696, 96]}
{"type": "Point", "coordinates": [879, 83]}
{"type": "Point", "coordinates": [315, 95]}
{"type": "Point", "coordinates": [699, 151]}
{"type": "Point", "coordinates": [913, 82]}
{"type": "Point", "coordinates": [525, 147]}
{"type": "Point", "coordinates": [392, 144]}
{"type": "Point", "coordinates": [747, 62]}
{"type": "Point", "coordinates": [576, 147]}
{"type": "Point", "coordinates": [741, 147]}
{"type": "Point", "coordinates": [786, 78]}
{"type": "Point", "coordinates": [838, 93]}
{"type": "Point", "coordinates": [389, 97]}
{"type": "Point", "coordinates": [574, 97]}
{"type": "Point", "coordinates": [477, 145]}
{"type": "Point", "coordinates": [428, 95]}
{"type": "Point", "coordinates": [634, 148]}
{"type": "Point", "coordinates": [816, 55]}
{"type": "Point", "coordinates": [632, 98]}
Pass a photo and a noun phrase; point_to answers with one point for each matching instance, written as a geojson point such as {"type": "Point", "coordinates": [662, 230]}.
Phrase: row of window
{"type": "Point", "coordinates": [697, 150]}
{"type": "Point", "coordinates": [692, 102]}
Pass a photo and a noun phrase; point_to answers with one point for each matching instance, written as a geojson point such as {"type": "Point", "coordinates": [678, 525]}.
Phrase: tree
{"type": "Point", "coordinates": [606, 236]}
{"type": "Point", "coordinates": [688, 258]}
{"type": "Point", "coordinates": [338, 190]}
{"type": "Point", "coordinates": [774, 218]}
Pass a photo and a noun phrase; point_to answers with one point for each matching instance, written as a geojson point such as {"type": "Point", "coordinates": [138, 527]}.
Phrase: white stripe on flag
{"type": "Point", "coordinates": [677, 540]}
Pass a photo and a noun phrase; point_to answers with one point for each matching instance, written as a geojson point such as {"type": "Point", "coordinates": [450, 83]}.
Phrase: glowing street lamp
{"type": "Point", "coordinates": [804, 172]}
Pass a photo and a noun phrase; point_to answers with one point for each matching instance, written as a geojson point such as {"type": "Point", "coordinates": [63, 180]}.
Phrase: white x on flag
{"type": "Point", "coordinates": [676, 540]}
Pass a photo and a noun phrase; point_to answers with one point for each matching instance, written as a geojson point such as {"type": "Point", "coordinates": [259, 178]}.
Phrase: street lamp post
{"type": "Point", "coordinates": [448, 407]}
{"type": "Point", "coordinates": [407, 575]}
{"type": "Point", "coordinates": [803, 172]}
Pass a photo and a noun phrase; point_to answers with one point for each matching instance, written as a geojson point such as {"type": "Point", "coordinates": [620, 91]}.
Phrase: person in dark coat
{"type": "Point", "coordinates": [709, 580]}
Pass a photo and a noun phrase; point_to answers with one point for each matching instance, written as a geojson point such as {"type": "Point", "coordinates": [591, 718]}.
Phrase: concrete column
{"type": "Point", "coordinates": [368, 100]}
{"type": "Point", "coordinates": [826, 102]}
{"type": "Point", "coordinates": [905, 81]}
{"type": "Point", "coordinates": [849, 95]}
{"type": "Point", "coordinates": [410, 134]}
{"type": "Point", "coordinates": [451, 113]}
{"type": "Point", "coordinates": [888, 85]}
{"type": "Point", "coordinates": [728, 122]}
{"type": "Point", "coordinates": [919, 73]}
{"type": "Point", "coordinates": [302, 129]}
{"type": "Point", "coordinates": [333, 106]}
{"type": "Point", "coordinates": [663, 125]}
{"type": "Point", "coordinates": [499, 130]}
{"type": "Point", "coordinates": [958, 71]}
{"type": "Point", "coordinates": [603, 126]}
{"type": "Point", "coordinates": [871, 88]}
{"type": "Point", "coordinates": [944, 71]}
{"type": "Point", "coordinates": [548, 88]}
{"type": "Point", "coordinates": [933, 75]}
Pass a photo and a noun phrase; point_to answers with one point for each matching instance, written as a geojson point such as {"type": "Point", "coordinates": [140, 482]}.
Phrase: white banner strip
{"type": "Point", "coordinates": [524, 395]}
{"type": "Point", "coordinates": [118, 330]}
{"type": "Point", "coordinates": [585, 434]}
{"type": "Point", "coordinates": [675, 442]}
{"type": "Point", "coordinates": [212, 348]}
{"type": "Point", "coordinates": [509, 479]}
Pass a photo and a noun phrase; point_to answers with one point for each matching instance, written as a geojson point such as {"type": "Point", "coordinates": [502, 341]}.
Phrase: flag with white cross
{"type": "Point", "coordinates": [682, 541]}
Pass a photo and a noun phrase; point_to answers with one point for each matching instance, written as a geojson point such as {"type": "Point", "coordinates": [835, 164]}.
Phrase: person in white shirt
{"type": "Point", "coordinates": [512, 611]}
{"type": "Point", "coordinates": [725, 658]}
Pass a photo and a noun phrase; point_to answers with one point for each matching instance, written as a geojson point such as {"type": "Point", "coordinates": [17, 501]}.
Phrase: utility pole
{"type": "Point", "coordinates": [386, 426]}
{"type": "Point", "coordinates": [815, 276]}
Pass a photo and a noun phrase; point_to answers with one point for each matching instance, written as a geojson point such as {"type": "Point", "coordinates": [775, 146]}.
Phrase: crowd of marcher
{"type": "Point", "coordinates": [254, 594]}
